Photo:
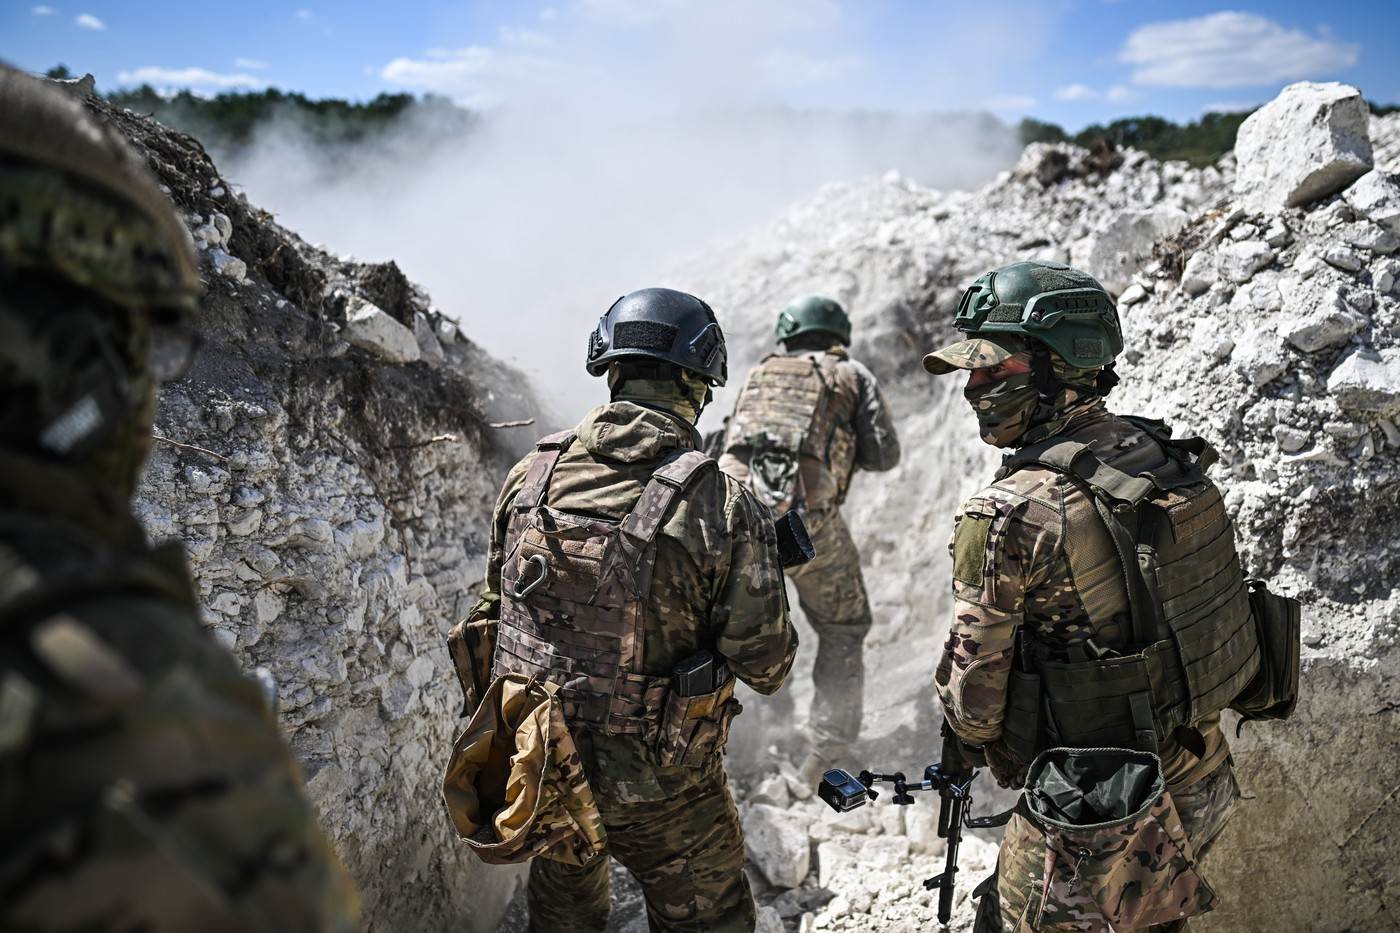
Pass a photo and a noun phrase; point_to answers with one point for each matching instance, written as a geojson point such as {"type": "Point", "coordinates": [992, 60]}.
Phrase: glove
{"type": "Point", "coordinates": [1006, 766]}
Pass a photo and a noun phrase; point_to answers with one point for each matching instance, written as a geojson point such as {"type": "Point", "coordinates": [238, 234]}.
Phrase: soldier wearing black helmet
{"type": "Point", "coordinates": [624, 570]}
{"type": "Point", "coordinates": [806, 421]}
{"type": "Point", "coordinates": [143, 781]}
{"type": "Point", "coordinates": [1099, 605]}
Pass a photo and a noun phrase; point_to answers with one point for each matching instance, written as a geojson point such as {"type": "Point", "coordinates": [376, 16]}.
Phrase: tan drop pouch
{"type": "Point", "coordinates": [1096, 837]}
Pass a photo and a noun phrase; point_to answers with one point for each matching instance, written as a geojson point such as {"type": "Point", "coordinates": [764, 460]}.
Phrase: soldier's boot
{"type": "Point", "coordinates": [568, 898]}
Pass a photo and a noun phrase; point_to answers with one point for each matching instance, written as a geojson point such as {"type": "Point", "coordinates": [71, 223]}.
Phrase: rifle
{"type": "Point", "coordinates": [952, 777]}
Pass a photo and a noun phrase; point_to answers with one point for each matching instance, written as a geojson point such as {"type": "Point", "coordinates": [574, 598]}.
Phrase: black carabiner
{"type": "Point", "coordinates": [522, 592]}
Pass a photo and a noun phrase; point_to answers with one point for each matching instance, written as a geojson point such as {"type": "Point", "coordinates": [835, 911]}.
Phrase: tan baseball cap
{"type": "Point", "coordinates": [973, 353]}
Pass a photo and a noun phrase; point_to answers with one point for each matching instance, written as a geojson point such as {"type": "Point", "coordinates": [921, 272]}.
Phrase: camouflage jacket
{"type": "Point", "coordinates": [143, 780]}
{"type": "Point", "coordinates": [1010, 570]}
{"type": "Point", "coordinates": [862, 410]}
{"type": "Point", "coordinates": [716, 560]}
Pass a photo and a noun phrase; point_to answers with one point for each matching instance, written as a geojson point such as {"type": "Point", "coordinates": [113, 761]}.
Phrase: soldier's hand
{"type": "Point", "coordinates": [1008, 768]}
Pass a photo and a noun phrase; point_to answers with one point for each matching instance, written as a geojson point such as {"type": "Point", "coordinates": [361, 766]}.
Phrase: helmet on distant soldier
{"type": "Point", "coordinates": [813, 314]}
{"type": "Point", "coordinates": [664, 325]}
{"type": "Point", "coordinates": [1029, 303]}
{"type": "Point", "coordinates": [98, 286]}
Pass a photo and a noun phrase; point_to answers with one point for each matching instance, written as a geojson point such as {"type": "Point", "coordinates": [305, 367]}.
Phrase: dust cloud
{"type": "Point", "coordinates": [615, 140]}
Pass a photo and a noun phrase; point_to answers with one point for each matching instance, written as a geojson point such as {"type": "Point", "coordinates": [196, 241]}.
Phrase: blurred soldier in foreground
{"type": "Point", "coordinates": [143, 782]}
{"type": "Point", "coordinates": [806, 420]}
{"type": "Point", "coordinates": [1100, 608]}
{"type": "Point", "coordinates": [631, 573]}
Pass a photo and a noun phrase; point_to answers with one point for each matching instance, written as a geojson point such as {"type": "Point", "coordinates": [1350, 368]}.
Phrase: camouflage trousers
{"type": "Point", "coordinates": [1204, 808]}
{"type": "Point", "coordinates": [686, 850]}
{"type": "Point", "coordinates": [831, 592]}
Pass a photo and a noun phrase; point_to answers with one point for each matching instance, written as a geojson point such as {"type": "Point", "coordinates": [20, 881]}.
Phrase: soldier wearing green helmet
{"type": "Point", "coordinates": [806, 421]}
{"type": "Point", "coordinates": [1057, 637]}
{"type": "Point", "coordinates": [143, 781]}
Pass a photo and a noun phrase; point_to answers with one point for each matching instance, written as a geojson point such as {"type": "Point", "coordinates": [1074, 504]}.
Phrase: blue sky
{"type": "Point", "coordinates": [1069, 61]}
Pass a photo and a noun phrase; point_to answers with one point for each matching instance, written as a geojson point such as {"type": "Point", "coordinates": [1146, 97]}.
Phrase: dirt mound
{"type": "Point", "coordinates": [335, 507]}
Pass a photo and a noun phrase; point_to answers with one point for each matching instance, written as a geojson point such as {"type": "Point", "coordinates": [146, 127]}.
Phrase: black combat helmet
{"type": "Point", "coordinates": [660, 324]}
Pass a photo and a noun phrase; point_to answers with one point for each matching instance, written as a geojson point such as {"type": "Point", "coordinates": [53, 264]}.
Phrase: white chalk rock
{"type": "Point", "coordinates": [772, 790]}
{"type": "Point", "coordinates": [428, 345]}
{"type": "Point", "coordinates": [1199, 274]}
{"type": "Point", "coordinates": [1376, 196]}
{"type": "Point", "coordinates": [1368, 381]}
{"type": "Point", "coordinates": [369, 328]}
{"type": "Point", "coordinates": [778, 844]}
{"type": "Point", "coordinates": [1260, 355]}
{"type": "Point", "coordinates": [1310, 141]}
{"type": "Point", "coordinates": [1239, 261]}
{"type": "Point", "coordinates": [769, 920]}
{"type": "Point", "coordinates": [1113, 254]}
{"type": "Point", "coordinates": [1329, 324]}
{"type": "Point", "coordinates": [230, 267]}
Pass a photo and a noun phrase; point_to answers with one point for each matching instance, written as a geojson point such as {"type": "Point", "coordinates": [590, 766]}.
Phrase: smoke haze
{"type": "Point", "coordinates": [617, 139]}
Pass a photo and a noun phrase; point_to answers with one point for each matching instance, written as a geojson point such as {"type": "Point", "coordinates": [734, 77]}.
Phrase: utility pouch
{"type": "Point", "coordinates": [472, 645]}
{"type": "Point", "coordinates": [1273, 693]}
{"type": "Point", "coordinates": [695, 728]}
{"type": "Point", "coordinates": [1096, 834]}
{"type": "Point", "coordinates": [1115, 701]}
{"type": "Point", "coordinates": [1020, 729]}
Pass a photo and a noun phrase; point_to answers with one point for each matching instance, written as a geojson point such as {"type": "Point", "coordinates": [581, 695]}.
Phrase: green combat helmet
{"type": "Point", "coordinates": [1050, 303]}
{"type": "Point", "coordinates": [812, 314]}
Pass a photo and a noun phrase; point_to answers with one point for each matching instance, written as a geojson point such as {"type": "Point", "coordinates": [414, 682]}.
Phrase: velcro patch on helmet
{"type": "Point", "coordinates": [1088, 347]}
{"type": "Point", "coordinates": [643, 335]}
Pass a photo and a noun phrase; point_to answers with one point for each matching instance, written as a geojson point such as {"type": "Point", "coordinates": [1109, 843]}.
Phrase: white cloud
{"type": "Point", "coordinates": [1230, 49]}
{"type": "Point", "coordinates": [88, 21]}
{"type": "Point", "coordinates": [1120, 93]}
{"type": "Point", "coordinates": [519, 38]}
{"type": "Point", "coordinates": [1229, 106]}
{"type": "Point", "coordinates": [1009, 102]}
{"type": "Point", "coordinates": [1076, 92]}
{"type": "Point", "coordinates": [548, 14]}
{"type": "Point", "coordinates": [42, 10]}
{"type": "Point", "coordinates": [251, 64]}
{"type": "Point", "coordinates": [195, 78]}
{"type": "Point", "coordinates": [469, 75]}
{"type": "Point", "coordinates": [304, 15]}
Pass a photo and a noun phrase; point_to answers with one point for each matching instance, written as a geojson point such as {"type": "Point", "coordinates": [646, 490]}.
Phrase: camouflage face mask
{"type": "Point", "coordinates": [1004, 408]}
{"type": "Point", "coordinates": [687, 396]}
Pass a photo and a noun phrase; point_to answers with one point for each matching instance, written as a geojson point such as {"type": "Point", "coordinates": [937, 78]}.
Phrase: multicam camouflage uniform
{"type": "Point", "coordinates": [143, 781]}
{"type": "Point", "coordinates": [716, 584]}
{"type": "Point", "coordinates": [831, 588]}
{"type": "Point", "coordinates": [1010, 571]}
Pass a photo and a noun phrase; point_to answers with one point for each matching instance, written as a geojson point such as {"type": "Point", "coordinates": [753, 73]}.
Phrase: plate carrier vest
{"type": "Point", "coordinates": [794, 407]}
{"type": "Point", "coordinates": [1192, 644]}
{"type": "Point", "coordinates": [574, 595]}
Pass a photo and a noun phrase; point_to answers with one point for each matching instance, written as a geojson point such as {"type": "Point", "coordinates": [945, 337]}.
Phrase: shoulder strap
{"type": "Point", "coordinates": [1117, 498]}
{"type": "Point", "coordinates": [673, 476]}
{"type": "Point", "coordinates": [547, 452]}
{"type": "Point", "coordinates": [1194, 452]}
{"type": "Point", "coordinates": [1075, 459]}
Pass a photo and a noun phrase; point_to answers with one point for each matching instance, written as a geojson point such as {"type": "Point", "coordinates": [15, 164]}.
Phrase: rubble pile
{"type": "Point", "coordinates": [330, 466]}
{"type": "Point", "coordinates": [1273, 329]}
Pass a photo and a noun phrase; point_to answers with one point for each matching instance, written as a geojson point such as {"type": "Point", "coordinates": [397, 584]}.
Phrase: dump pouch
{"type": "Point", "coordinates": [1096, 835]}
{"type": "Point", "coordinates": [471, 644]}
{"type": "Point", "coordinates": [514, 787]}
{"type": "Point", "coordinates": [695, 728]}
{"type": "Point", "coordinates": [1273, 693]}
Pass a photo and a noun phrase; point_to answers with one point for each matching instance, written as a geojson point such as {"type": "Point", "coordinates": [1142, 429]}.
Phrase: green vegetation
{"type": "Point", "coordinates": [228, 121]}
{"type": "Point", "coordinates": [1199, 142]}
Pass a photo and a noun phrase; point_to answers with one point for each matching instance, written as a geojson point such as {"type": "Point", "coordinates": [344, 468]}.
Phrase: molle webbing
{"type": "Point", "coordinates": [1192, 648]}
{"type": "Point", "coordinates": [574, 596]}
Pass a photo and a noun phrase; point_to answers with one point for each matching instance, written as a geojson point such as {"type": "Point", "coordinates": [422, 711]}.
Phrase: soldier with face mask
{"type": "Point", "coordinates": [636, 580]}
{"type": "Point", "coordinates": [143, 782]}
{"type": "Point", "coordinates": [807, 419]}
{"type": "Point", "coordinates": [1099, 599]}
